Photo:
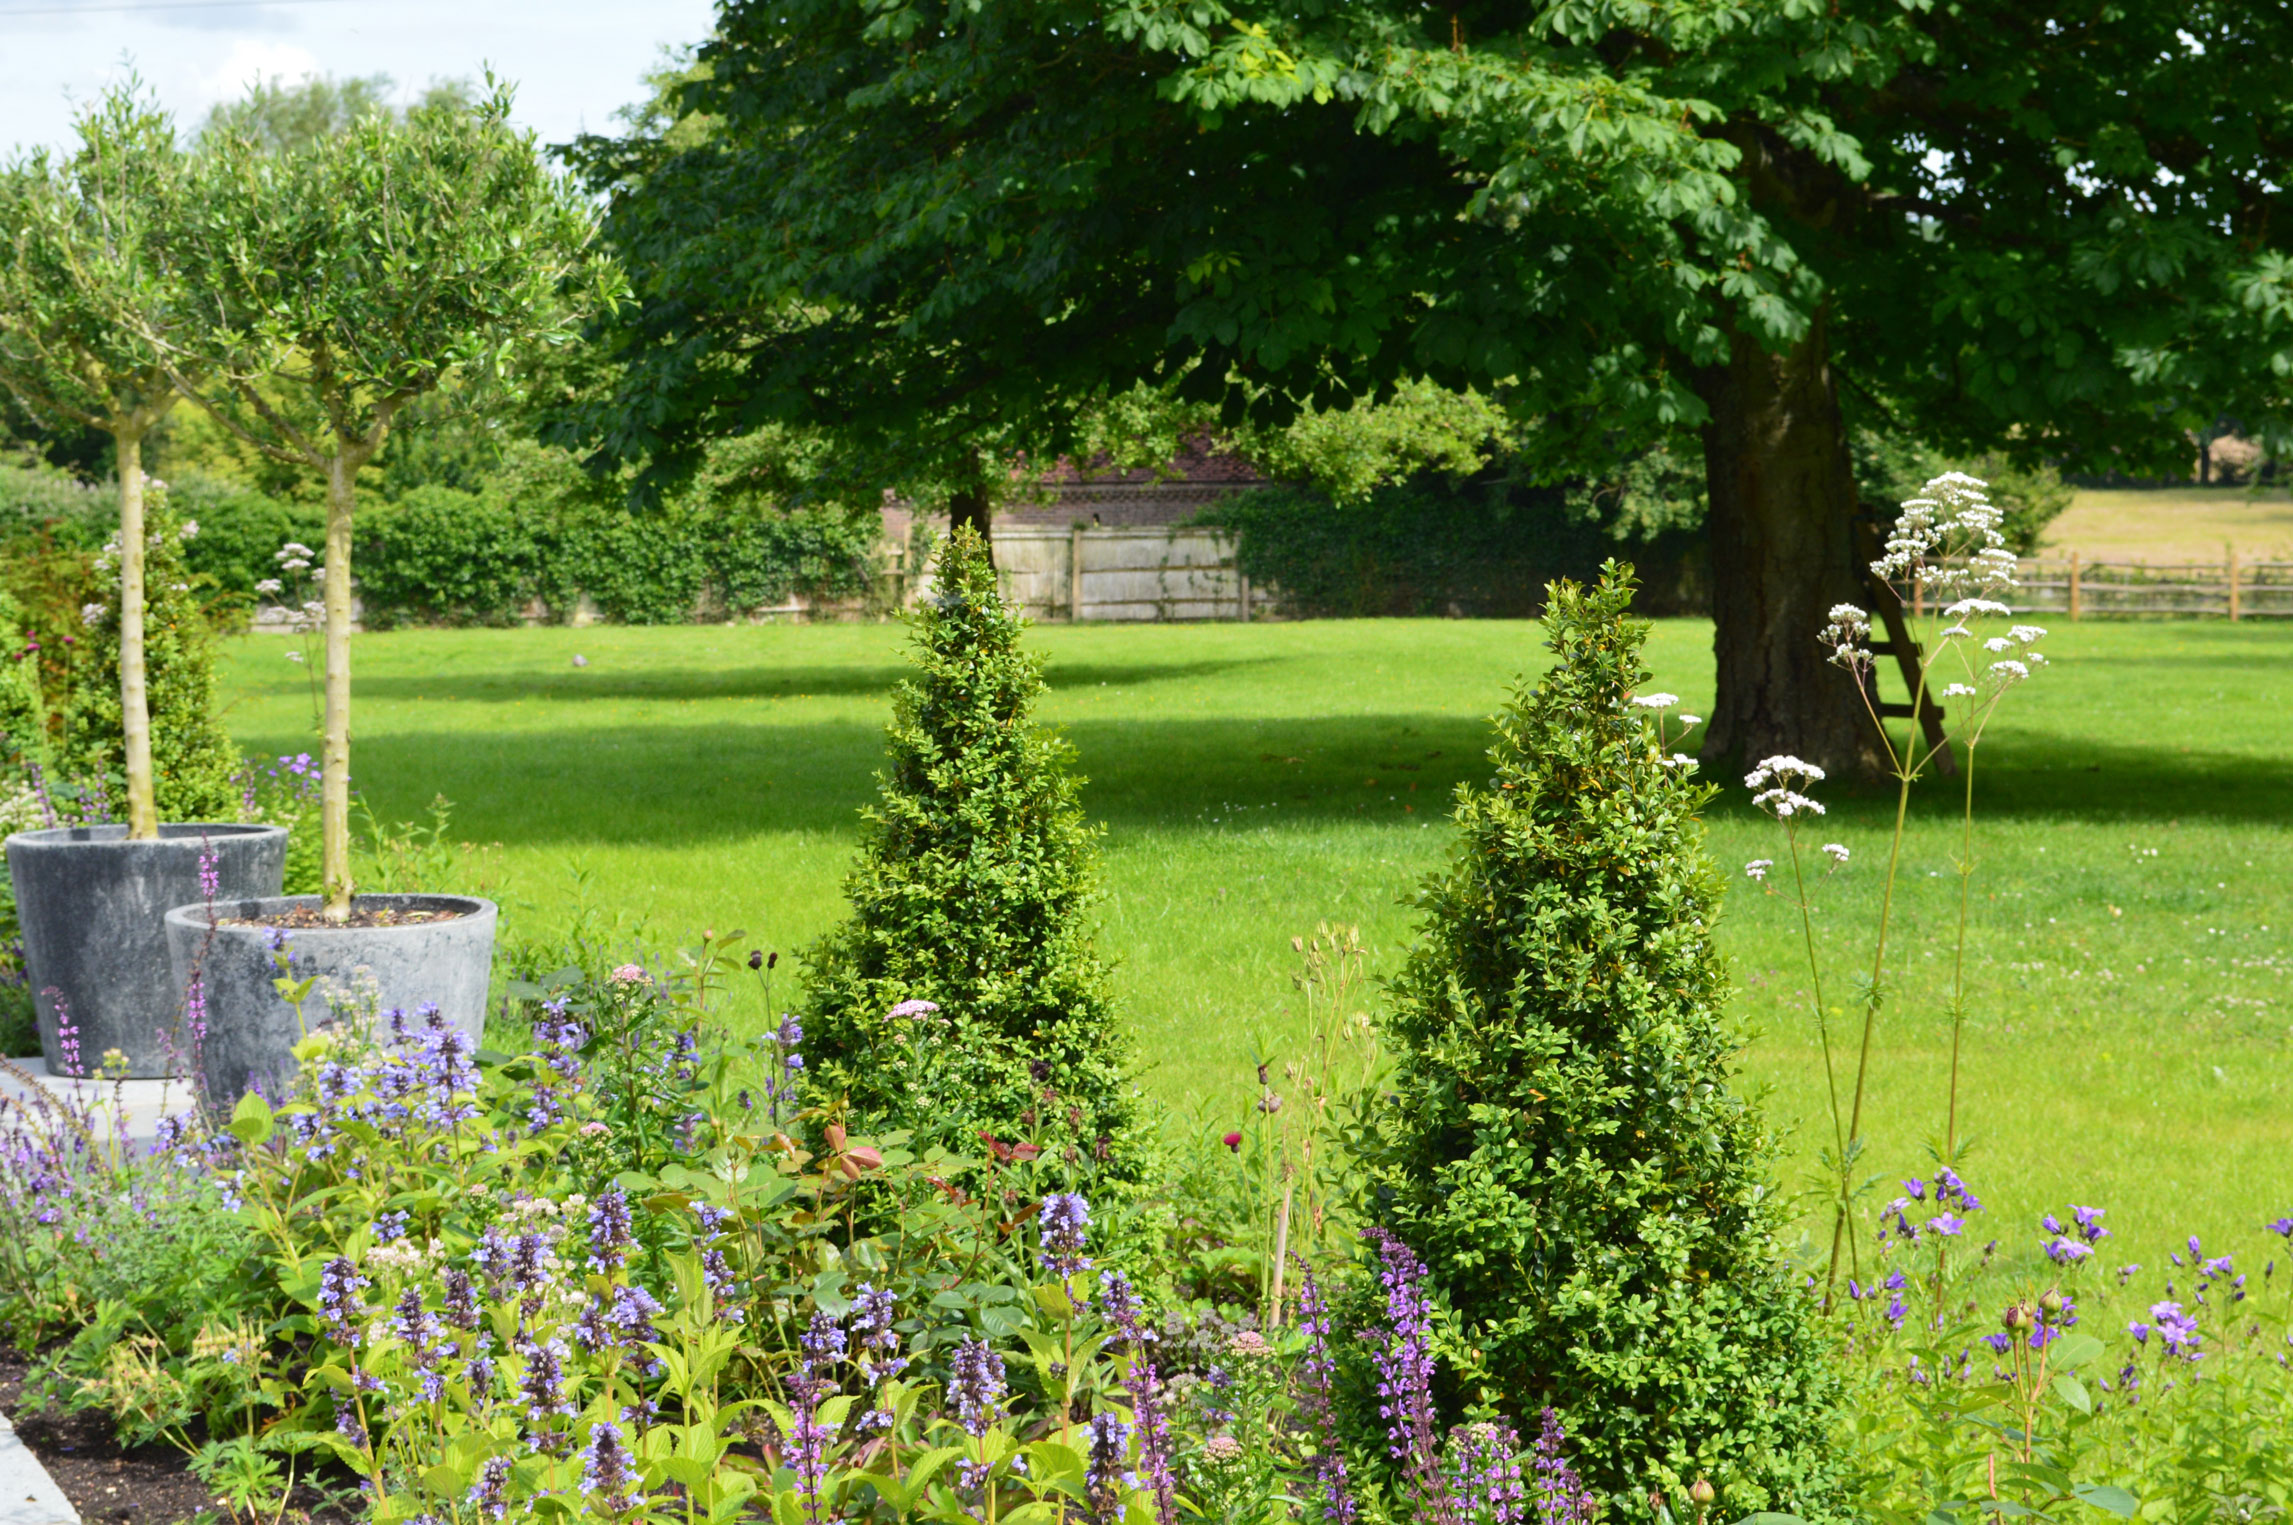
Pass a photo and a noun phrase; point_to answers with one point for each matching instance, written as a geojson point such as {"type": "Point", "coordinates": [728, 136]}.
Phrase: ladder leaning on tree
{"type": "Point", "coordinates": [1887, 608]}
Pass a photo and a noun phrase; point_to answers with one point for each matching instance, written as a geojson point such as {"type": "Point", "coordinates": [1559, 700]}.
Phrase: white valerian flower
{"type": "Point", "coordinates": [1784, 803]}
{"type": "Point", "coordinates": [295, 548]}
{"type": "Point", "coordinates": [270, 585]}
{"type": "Point", "coordinates": [1959, 630]}
{"type": "Point", "coordinates": [190, 530]}
{"type": "Point", "coordinates": [92, 614]}
{"type": "Point", "coordinates": [1690, 719]}
{"type": "Point", "coordinates": [1999, 643]}
{"type": "Point", "coordinates": [294, 656]}
{"type": "Point", "coordinates": [1947, 538]}
{"type": "Point", "coordinates": [1837, 851]}
{"type": "Point", "coordinates": [2009, 672]}
{"type": "Point", "coordinates": [294, 564]}
{"type": "Point", "coordinates": [2028, 634]}
{"type": "Point", "coordinates": [1758, 868]}
{"type": "Point", "coordinates": [1968, 608]}
{"type": "Point", "coordinates": [1848, 629]}
{"type": "Point", "coordinates": [1656, 701]}
{"type": "Point", "coordinates": [1680, 760]}
{"type": "Point", "coordinates": [1782, 769]}
{"type": "Point", "coordinates": [1959, 691]}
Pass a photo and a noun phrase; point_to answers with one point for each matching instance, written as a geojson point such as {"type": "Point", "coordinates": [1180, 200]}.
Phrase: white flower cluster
{"type": "Point", "coordinates": [1757, 869]}
{"type": "Point", "coordinates": [1776, 784]}
{"type": "Point", "coordinates": [1948, 539]}
{"type": "Point", "coordinates": [1850, 627]}
{"type": "Point", "coordinates": [92, 615]}
{"type": "Point", "coordinates": [1656, 701]}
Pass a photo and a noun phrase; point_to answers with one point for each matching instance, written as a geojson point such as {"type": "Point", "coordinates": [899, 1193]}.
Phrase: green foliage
{"type": "Point", "coordinates": [1434, 545]}
{"type": "Point", "coordinates": [281, 118]}
{"type": "Point", "coordinates": [192, 758]}
{"type": "Point", "coordinates": [23, 708]}
{"type": "Point", "coordinates": [1562, 1144]}
{"type": "Point", "coordinates": [973, 891]}
{"type": "Point", "coordinates": [240, 531]}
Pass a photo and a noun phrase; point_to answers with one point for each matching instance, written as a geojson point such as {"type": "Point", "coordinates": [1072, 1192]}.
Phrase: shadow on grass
{"type": "Point", "coordinates": [682, 784]}
{"type": "Point", "coordinates": [808, 682]}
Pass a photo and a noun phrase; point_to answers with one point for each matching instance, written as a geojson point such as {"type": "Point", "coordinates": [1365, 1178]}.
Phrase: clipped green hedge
{"type": "Point", "coordinates": [1482, 548]}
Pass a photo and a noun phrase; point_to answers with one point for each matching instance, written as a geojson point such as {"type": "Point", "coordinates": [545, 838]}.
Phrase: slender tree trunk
{"type": "Point", "coordinates": [1782, 512]}
{"type": "Point", "coordinates": [334, 780]}
{"type": "Point", "coordinates": [134, 691]}
{"type": "Point", "coordinates": [974, 506]}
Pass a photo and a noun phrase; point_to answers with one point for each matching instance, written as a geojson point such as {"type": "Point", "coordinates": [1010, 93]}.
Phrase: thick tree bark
{"type": "Point", "coordinates": [1782, 511]}
{"type": "Point", "coordinates": [334, 776]}
{"type": "Point", "coordinates": [134, 691]}
{"type": "Point", "coordinates": [976, 507]}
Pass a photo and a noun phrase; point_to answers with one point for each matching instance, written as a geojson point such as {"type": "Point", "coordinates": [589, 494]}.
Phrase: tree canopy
{"type": "Point", "coordinates": [934, 228]}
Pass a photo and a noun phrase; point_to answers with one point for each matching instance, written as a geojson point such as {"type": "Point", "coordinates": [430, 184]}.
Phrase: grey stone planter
{"type": "Point", "coordinates": [252, 1031]}
{"type": "Point", "coordinates": [92, 904]}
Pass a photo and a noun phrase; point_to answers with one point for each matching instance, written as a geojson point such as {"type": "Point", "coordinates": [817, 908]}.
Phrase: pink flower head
{"type": "Point", "coordinates": [1233, 1141]}
{"type": "Point", "coordinates": [913, 1009]}
{"type": "Point", "coordinates": [631, 974]}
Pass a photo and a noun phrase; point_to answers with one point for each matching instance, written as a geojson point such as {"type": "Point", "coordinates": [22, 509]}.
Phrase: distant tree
{"type": "Point", "coordinates": [278, 118]}
{"type": "Point", "coordinates": [96, 329]}
{"type": "Point", "coordinates": [354, 275]}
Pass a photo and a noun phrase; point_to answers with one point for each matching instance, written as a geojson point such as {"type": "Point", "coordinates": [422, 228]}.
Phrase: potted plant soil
{"type": "Point", "coordinates": [91, 316]}
{"type": "Point", "coordinates": [345, 281]}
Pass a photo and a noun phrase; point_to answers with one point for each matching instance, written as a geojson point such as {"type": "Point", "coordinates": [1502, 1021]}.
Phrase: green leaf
{"type": "Point", "coordinates": [2074, 1350]}
{"type": "Point", "coordinates": [251, 1119]}
{"type": "Point", "coordinates": [2115, 1501]}
{"type": "Point", "coordinates": [2073, 1392]}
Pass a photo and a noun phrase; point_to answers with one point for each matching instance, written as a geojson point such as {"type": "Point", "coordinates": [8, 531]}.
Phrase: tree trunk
{"type": "Point", "coordinates": [134, 691]}
{"type": "Point", "coordinates": [974, 506]}
{"type": "Point", "coordinates": [334, 778]}
{"type": "Point", "coordinates": [1782, 511]}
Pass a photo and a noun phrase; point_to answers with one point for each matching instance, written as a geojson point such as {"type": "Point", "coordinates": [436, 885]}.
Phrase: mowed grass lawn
{"type": "Point", "coordinates": [2128, 1033]}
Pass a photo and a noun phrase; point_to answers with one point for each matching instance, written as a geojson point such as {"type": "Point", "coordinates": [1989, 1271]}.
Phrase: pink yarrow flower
{"type": "Point", "coordinates": [631, 974]}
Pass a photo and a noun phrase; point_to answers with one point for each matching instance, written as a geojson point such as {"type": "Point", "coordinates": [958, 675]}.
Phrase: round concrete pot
{"type": "Point", "coordinates": [251, 1030]}
{"type": "Point", "coordinates": [92, 904]}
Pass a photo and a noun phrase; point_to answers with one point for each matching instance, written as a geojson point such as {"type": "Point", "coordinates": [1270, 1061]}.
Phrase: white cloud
{"type": "Point", "coordinates": [250, 61]}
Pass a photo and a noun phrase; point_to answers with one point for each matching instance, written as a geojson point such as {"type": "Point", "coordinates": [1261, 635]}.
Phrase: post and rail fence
{"type": "Point", "coordinates": [2232, 588]}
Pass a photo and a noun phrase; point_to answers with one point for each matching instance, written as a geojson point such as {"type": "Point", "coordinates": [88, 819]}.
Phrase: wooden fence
{"type": "Point", "coordinates": [2079, 589]}
{"type": "Point", "coordinates": [1059, 574]}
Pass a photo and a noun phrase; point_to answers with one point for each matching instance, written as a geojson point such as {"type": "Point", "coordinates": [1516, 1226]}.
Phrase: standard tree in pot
{"type": "Point", "coordinates": [338, 283]}
{"type": "Point", "coordinates": [94, 325]}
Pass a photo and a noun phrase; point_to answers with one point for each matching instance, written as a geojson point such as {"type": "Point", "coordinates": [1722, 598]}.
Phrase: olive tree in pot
{"type": "Point", "coordinates": [339, 283]}
{"type": "Point", "coordinates": [94, 322]}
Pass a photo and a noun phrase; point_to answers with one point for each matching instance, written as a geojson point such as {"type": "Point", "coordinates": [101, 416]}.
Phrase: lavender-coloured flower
{"type": "Point", "coordinates": [1485, 1473]}
{"type": "Point", "coordinates": [609, 1231]}
{"type": "Point", "coordinates": [341, 1313]}
{"type": "Point", "coordinates": [1064, 1219]}
{"type": "Point", "coordinates": [873, 1312]}
{"type": "Point", "coordinates": [1120, 1305]}
{"type": "Point", "coordinates": [489, 1496]}
{"type": "Point", "coordinates": [608, 1471]}
{"type": "Point", "coordinates": [912, 1009]}
{"type": "Point", "coordinates": [1103, 1467]}
{"type": "Point", "coordinates": [975, 1385]}
{"type": "Point", "coordinates": [544, 1379]}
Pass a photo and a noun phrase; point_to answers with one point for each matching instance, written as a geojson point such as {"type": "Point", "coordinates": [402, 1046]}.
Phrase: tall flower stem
{"type": "Point", "coordinates": [1823, 1034]}
{"type": "Point", "coordinates": [1875, 996]}
{"type": "Point", "coordinates": [1959, 954]}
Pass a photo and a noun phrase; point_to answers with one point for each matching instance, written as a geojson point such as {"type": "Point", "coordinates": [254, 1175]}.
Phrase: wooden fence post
{"type": "Point", "coordinates": [1075, 575]}
{"type": "Point", "coordinates": [1243, 578]}
{"type": "Point", "coordinates": [2231, 567]}
{"type": "Point", "coordinates": [2074, 585]}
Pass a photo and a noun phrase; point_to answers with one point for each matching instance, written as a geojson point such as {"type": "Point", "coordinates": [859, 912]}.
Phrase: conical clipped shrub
{"type": "Point", "coordinates": [192, 759]}
{"type": "Point", "coordinates": [973, 892]}
{"type": "Point", "coordinates": [1562, 1145]}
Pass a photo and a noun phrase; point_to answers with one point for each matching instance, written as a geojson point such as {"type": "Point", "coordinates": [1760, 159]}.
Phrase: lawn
{"type": "Point", "coordinates": [2127, 1042]}
{"type": "Point", "coordinates": [2171, 524]}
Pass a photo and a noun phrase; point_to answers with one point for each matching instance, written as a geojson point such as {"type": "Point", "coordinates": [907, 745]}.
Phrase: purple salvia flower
{"type": "Point", "coordinates": [1562, 1498]}
{"type": "Point", "coordinates": [873, 1311]}
{"type": "Point", "coordinates": [975, 1386]}
{"type": "Point", "coordinates": [1485, 1473]}
{"type": "Point", "coordinates": [544, 1378]}
{"type": "Point", "coordinates": [1404, 1361]}
{"type": "Point", "coordinates": [341, 1314]}
{"type": "Point", "coordinates": [1316, 1401]}
{"type": "Point", "coordinates": [489, 1496]}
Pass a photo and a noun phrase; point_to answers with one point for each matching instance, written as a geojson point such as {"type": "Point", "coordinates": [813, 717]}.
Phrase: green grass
{"type": "Point", "coordinates": [2127, 1042]}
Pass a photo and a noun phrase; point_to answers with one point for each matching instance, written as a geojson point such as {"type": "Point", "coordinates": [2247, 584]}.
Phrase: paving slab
{"type": "Point", "coordinates": [28, 1496]}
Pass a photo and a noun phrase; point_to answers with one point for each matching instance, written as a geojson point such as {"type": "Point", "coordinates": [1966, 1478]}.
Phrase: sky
{"type": "Point", "coordinates": [575, 62]}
